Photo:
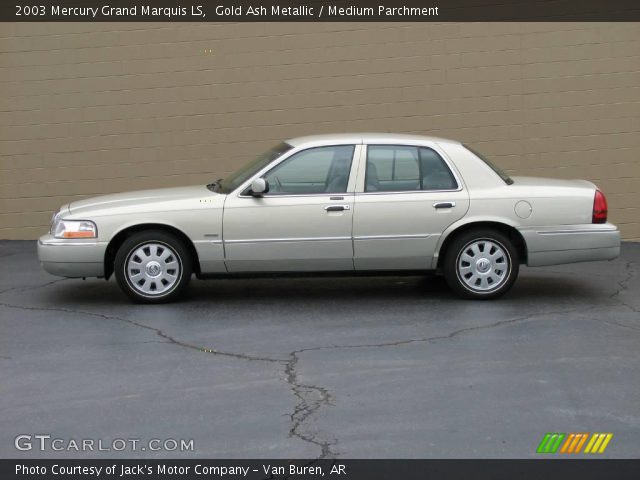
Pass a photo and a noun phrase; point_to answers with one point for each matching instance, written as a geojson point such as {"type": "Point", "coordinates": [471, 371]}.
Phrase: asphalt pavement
{"type": "Point", "coordinates": [369, 367]}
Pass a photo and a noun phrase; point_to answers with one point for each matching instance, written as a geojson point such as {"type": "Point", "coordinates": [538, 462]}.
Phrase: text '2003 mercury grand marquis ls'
{"type": "Point", "coordinates": [375, 203]}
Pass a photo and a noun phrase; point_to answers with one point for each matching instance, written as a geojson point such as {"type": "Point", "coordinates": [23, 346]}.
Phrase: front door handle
{"type": "Point", "coordinates": [444, 204]}
{"type": "Point", "coordinates": [337, 208]}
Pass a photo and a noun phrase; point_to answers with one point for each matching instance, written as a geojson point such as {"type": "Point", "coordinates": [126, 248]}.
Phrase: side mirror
{"type": "Point", "coordinates": [259, 187]}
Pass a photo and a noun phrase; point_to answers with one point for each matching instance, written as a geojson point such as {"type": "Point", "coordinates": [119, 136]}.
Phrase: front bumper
{"type": "Point", "coordinates": [571, 243]}
{"type": "Point", "coordinates": [72, 258]}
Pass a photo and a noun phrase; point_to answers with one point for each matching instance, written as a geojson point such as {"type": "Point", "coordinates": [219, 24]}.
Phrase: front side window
{"type": "Point", "coordinates": [245, 172]}
{"type": "Point", "coordinates": [315, 170]}
{"type": "Point", "coordinates": [400, 168]}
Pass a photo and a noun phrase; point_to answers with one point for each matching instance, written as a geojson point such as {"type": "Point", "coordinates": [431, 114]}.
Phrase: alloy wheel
{"type": "Point", "coordinates": [153, 269]}
{"type": "Point", "coordinates": [483, 265]}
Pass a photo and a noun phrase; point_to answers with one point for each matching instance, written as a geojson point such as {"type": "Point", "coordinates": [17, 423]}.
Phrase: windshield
{"type": "Point", "coordinates": [506, 178]}
{"type": "Point", "coordinates": [233, 181]}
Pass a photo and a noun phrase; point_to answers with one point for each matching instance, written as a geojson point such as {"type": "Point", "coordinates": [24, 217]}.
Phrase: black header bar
{"type": "Point", "coordinates": [548, 469]}
{"type": "Point", "coordinates": [318, 10]}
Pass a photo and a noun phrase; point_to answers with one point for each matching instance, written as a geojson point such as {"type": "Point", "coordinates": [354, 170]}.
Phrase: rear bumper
{"type": "Point", "coordinates": [71, 258]}
{"type": "Point", "coordinates": [571, 243]}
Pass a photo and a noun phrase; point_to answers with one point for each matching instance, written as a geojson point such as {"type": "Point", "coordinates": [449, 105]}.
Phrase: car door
{"type": "Point", "coordinates": [303, 223]}
{"type": "Point", "coordinates": [407, 196]}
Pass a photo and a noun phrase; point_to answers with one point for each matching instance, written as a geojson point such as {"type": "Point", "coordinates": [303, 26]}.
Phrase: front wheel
{"type": "Point", "coordinates": [481, 264]}
{"type": "Point", "coordinates": [153, 267]}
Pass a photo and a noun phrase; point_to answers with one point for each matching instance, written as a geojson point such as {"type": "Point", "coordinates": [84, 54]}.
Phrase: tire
{"type": "Point", "coordinates": [481, 264]}
{"type": "Point", "coordinates": [165, 267]}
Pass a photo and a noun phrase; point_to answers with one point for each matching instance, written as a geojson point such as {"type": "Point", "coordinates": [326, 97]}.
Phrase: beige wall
{"type": "Point", "coordinates": [96, 108]}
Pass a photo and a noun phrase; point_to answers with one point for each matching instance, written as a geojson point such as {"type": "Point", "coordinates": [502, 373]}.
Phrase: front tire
{"type": "Point", "coordinates": [481, 264]}
{"type": "Point", "coordinates": [153, 267]}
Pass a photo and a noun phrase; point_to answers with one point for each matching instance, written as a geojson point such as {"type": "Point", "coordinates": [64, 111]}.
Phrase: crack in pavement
{"type": "Point", "coordinates": [448, 336]}
{"type": "Point", "coordinates": [302, 411]}
{"type": "Point", "coordinates": [24, 288]}
{"type": "Point", "coordinates": [622, 325]}
{"type": "Point", "coordinates": [169, 339]}
{"type": "Point", "coordinates": [622, 287]}
{"type": "Point", "coordinates": [312, 398]}
{"type": "Point", "coordinates": [5, 255]}
{"type": "Point", "coordinates": [305, 407]}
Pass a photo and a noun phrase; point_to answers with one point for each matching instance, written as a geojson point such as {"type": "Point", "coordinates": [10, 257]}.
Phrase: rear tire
{"type": "Point", "coordinates": [153, 267]}
{"type": "Point", "coordinates": [481, 264]}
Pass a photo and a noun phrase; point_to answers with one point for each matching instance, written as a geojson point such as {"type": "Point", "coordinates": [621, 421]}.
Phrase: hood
{"type": "Point", "coordinates": [551, 182]}
{"type": "Point", "coordinates": [139, 198]}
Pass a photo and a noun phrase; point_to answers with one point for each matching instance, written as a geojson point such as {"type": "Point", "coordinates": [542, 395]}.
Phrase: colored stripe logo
{"type": "Point", "coordinates": [555, 442]}
{"type": "Point", "coordinates": [550, 443]}
{"type": "Point", "coordinates": [598, 443]}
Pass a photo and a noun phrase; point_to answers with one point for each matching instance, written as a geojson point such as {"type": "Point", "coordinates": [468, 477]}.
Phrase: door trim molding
{"type": "Point", "coordinates": [288, 240]}
{"type": "Point", "coordinates": [393, 237]}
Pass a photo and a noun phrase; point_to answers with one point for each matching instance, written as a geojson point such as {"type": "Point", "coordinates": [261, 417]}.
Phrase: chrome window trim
{"type": "Point", "coordinates": [280, 195]}
{"type": "Point", "coordinates": [396, 192]}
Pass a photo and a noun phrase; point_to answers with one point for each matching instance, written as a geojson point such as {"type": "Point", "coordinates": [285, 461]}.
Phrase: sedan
{"type": "Point", "coordinates": [336, 204]}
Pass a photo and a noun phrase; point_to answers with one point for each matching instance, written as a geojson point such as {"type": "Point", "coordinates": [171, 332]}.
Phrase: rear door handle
{"type": "Point", "coordinates": [337, 208]}
{"type": "Point", "coordinates": [444, 204]}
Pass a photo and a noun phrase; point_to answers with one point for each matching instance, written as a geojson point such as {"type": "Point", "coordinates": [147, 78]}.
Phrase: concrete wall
{"type": "Point", "coordinates": [88, 109]}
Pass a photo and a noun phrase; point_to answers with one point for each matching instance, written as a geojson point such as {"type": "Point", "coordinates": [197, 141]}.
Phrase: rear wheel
{"type": "Point", "coordinates": [153, 267]}
{"type": "Point", "coordinates": [481, 264]}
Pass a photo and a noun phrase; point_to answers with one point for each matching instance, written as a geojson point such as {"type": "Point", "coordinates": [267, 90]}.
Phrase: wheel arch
{"type": "Point", "coordinates": [118, 239]}
{"type": "Point", "coordinates": [504, 227]}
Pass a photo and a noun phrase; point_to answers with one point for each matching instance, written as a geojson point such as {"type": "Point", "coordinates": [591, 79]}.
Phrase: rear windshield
{"type": "Point", "coordinates": [501, 173]}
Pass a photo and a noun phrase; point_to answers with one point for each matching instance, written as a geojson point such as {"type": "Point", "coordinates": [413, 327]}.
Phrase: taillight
{"type": "Point", "coordinates": [599, 208]}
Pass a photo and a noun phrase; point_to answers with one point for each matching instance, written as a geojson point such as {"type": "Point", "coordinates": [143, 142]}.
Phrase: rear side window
{"type": "Point", "coordinates": [400, 168]}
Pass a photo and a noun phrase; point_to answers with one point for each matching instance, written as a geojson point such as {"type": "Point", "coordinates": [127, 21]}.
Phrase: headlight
{"type": "Point", "coordinates": [73, 228]}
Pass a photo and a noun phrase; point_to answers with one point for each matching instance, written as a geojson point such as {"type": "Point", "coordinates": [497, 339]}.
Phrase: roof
{"type": "Point", "coordinates": [364, 138]}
